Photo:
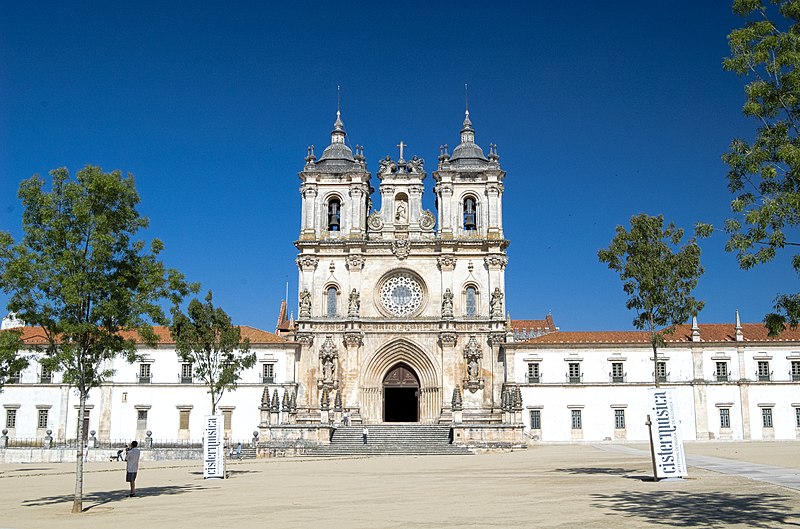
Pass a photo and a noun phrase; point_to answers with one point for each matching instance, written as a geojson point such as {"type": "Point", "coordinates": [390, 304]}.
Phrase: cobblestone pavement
{"type": "Point", "coordinates": [545, 486]}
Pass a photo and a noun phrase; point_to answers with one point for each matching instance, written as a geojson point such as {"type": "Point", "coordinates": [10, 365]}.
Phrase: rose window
{"type": "Point", "coordinates": [401, 295]}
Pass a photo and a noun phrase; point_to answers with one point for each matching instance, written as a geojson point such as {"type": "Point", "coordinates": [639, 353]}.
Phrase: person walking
{"type": "Point", "coordinates": [364, 434]}
{"type": "Point", "coordinates": [132, 466]}
{"type": "Point", "coordinates": [239, 451]}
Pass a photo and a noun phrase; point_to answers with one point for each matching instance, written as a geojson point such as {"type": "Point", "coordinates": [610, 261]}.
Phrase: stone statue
{"type": "Point", "coordinates": [415, 165]}
{"type": "Point", "coordinates": [447, 304]}
{"type": "Point", "coordinates": [401, 216]}
{"type": "Point", "coordinates": [496, 304]}
{"type": "Point", "coordinates": [387, 166]}
{"type": "Point", "coordinates": [305, 304]}
{"type": "Point", "coordinates": [472, 369]}
{"type": "Point", "coordinates": [354, 304]}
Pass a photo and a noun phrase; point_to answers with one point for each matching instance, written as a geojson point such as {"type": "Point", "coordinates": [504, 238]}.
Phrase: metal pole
{"type": "Point", "coordinates": [652, 447]}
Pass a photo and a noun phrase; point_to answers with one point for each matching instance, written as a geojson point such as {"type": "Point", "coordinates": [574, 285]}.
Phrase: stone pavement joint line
{"type": "Point", "coordinates": [781, 476]}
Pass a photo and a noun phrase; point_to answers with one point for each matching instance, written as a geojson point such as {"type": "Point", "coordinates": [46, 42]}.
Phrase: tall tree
{"type": "Point", "coordinates": [764, 174]}
{"type": "Point", "coordinates": [206, 337]}
{"type": "Point", "coordinates": [657, 274]}
{"type": "Point", "coordinates": [11, 362]}
{"type": "Point", "coordinates": [80, 275]}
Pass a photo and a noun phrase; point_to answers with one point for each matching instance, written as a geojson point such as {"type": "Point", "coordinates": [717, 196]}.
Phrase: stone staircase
{"type": "Point", "coordinates": [391, 439]}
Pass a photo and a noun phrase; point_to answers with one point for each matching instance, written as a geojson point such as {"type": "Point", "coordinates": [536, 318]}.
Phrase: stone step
{"type": "Point", "coordinates": [390, 439]}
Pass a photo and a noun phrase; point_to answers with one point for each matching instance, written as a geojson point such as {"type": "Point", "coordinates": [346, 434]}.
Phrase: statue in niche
{"type": "Point", "coordinates": [496, 304]}
{"type": "Point", "coordinates": [401, 216]}
{"type": "Point", "coordinates": [447, 304]}
{"type": "Point", "coordinates": [473, 369]}
{"type": "Point", "coordinates": [305, 304]}
{"type": "Point", "coordinates": [354, 304]}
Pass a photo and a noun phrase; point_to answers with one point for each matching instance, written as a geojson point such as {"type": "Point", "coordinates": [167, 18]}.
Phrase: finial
{"type": "Point", "coordinates": [338, 98]}
{"type": "Point", "coordinates": [466, 99]}
{"type": "Point", "coordinates": [739, 333]}
{"type": "Point", "coordinates": [738, 321]}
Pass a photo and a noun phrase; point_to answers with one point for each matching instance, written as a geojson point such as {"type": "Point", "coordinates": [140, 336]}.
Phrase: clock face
{"type": "Point", "coordinates": [401, 295]}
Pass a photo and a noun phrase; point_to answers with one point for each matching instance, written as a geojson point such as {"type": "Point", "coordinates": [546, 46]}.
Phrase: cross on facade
{"type": "Point", "coordinates": [401, 145]}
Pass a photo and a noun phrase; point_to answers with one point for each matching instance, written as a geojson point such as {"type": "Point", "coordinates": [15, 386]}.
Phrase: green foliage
{"type": "Point", "coordinates": [764, 174]}
{"type": "Point", "coordinates": [657, 274]}
{"type": "Point", "coordinates": [206, 337]}
{"type": "Point", "coordinates": [80, 275]}
{"type": "Point", "coordinates": [10, 360]}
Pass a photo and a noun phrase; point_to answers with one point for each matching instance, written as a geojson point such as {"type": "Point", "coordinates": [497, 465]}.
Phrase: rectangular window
{"type": "Point", "coordinates": [42, 421]}
{"type": "Point", "coordinates": [533, 373]}
{"type": "Point", "coordinates": [577, 424]}
{"type": "Point", "coordinates": [574, 373]}
{"type": "Point", "coordinates": [46, 377]}
{"type": "Point", "coordinates": [724, 418]}
{"type": "Point", "coordinates": [268, 374]}
{"type": "Point", "coordinates": [766, 417]}
{"type": "Point", "coordinates": [331, 308]}
{"type": "Point", "coordinates": [141, 420]}
{"type": "Point", "coordinates": [797, 417]}
{"type": "Point", "coordinates": [183, 420]}
{"type": "Point", "coordinates": [536, 419]}
{"type": "Point", "coordinates": [11, 418]}
{"type": "Point", "coordinates": [187, 373]}
{"type": "Point", "coordinates": [619, 419]}
{"type": "Point", "coordinates": [722, 371]}
{"type": "Point", "coordinates": [796, 370]}
{"type": "Point", "coordinates": [471, 302]}
{"type": "Point", "coordinates": [227, 415]}
{"type": "Point", "coordinates": [617, 373]}
{"type": "Point", "coordinates": [14, 378]}
{"type": "Point", "coordinates": [763, 371]}
{"type": "Point", "coordinates": [144, 373]}
{"type": "Point", "coordinates": [661, 368]}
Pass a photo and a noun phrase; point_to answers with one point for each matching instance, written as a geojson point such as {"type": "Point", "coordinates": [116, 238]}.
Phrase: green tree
{"type": "Point", "coordinates": [80, 275]}
{"type": "Point", "coordinates": [206, 337]}
{"type": "Point", "coordinates": [764, 175]}
{"type": "Point", "coordinates": [657, 274]}
{"type": "Point", "coordinates": [11, 362]}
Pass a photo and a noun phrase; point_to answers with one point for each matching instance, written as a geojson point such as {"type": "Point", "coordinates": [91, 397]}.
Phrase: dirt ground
{"type": "Point", "coordinates": [545, 486]}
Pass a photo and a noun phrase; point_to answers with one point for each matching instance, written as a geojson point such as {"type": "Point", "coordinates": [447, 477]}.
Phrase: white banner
{"type": "Point", "coordinates": [213, 447]}
{"type": "Point", "coordinates": [666, 437]}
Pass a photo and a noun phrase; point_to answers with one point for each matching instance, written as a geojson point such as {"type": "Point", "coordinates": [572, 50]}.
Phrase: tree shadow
{"type": "Point", "coordinates": [95, 499]}
{"type": "Point", "coordinates": [596, 470]}
{"type": "Point", "coordinates": [711, 509]}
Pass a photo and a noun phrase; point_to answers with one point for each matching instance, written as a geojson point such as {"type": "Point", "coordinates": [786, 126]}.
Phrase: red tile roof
{"type": "Point", "coordinates": [36, 336]}
{"type": "Point", "coordinates": [709, 332]}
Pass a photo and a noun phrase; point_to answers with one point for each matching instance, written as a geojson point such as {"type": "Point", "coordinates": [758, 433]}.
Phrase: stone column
{"type": "Point", "coordinates": [700, 400]}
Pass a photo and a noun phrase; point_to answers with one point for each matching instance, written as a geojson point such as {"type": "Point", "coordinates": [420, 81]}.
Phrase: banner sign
{"type": "Point", "coordinates": [666, 444]}
{"type": "Point", "coordinates": [213, 447]}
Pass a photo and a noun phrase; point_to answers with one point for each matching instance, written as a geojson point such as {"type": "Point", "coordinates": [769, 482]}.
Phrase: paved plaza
{"type": "Point", "coordinates": [546, 486]}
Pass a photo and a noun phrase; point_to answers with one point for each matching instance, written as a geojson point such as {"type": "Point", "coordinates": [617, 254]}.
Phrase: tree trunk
{"type": "Point", "coordinates": [77, 505]}
{"type": "Point", "coordinates": [655, 361]}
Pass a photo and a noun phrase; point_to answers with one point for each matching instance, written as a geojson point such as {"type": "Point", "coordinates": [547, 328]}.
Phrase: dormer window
{"type": "Point", "coordinates": [470, 215]}
{"type": "Point", "coordinates": [334, 213]}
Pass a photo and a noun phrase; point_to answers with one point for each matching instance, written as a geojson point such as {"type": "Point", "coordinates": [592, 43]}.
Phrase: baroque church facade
{"type": "Point", "coordinates": [402, 309]}
{"type": "Point", "coordinates": [402, 318]}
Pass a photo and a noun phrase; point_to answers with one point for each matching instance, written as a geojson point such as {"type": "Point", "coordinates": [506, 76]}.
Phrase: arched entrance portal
{"type": "Point", "coordinates": [401, 395]}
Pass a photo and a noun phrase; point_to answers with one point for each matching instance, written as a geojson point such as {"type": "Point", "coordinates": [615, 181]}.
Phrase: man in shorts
{"type": "Point", "coordinates": [132, 466]}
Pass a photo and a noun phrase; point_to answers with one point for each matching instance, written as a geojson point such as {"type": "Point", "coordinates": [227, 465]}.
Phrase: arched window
{"type": "Point", "coordinates": [471, 301]}
{"type": "Point", "coordinates": [331, 308]}
{"type": "Point", "coordinates": [334, 211]}
{"type": "Point", "coordinates": [470, 209]}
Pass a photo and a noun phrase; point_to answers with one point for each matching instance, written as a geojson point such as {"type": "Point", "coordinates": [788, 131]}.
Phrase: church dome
{"type": "Point", "coordinates": [468, 153]}
{"type": "Point", "coordinates": [337, 152]}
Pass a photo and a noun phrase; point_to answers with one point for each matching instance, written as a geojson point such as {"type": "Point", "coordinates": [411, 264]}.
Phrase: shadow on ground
{"type": "Point", "coordinates": [595, 470]}
{"type": "Point", "coordinates": [95, 499]}
{"type": "Point", "coordinates": [229, 473]}
{"type": "Point", "coordinates": [714, 509]}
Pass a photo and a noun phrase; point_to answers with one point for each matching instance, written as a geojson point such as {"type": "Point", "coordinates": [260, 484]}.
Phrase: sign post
{"type": "Point", "coordinates": [666, 445]}
{"type": "Point", "coordinates": [213, 447]}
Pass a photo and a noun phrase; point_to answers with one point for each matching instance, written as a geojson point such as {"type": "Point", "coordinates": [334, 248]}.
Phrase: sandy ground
{"type": "Point", "coordinates": [545, 486]}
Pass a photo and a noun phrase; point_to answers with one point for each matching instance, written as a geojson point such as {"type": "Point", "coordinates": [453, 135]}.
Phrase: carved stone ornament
{"type": "Point", "coordinates": [353, 304]}
{"type": "Point", "coordinates": [353, 339]}
{"type": "Point", "coordinates": [448, 338]}
{"type": "Point", "coordinates": [355, 262]}
{"type": "Point", "coordinates": [401, 213]}
{"type": "Point", "coordinates": [456, 402]}
{"type": "Point", "coordinates": [446, 262]}
{"type": "Point", "coordinates": [427, 221]}
{"type": "Point", "coordinates": [401, 248]}
{"type": "Point", "coordinates": [494, 189]}
{"type": "Point", "coordinates": [472, 357]}
{"type": "Point", "coordinates": [496, 304]}
{"type": "Point", "coordinates": [416, 165]}
{"type": "Point", "coordinates": [445, 189]}
{"type": "Point", "coordinates": [307, 262]}
{"type": "Point", "coordinates": [497, 337]}
{"type": "Point", "coordinates": [447, 304]}
{"type": "Point", "coordinates": [495, 261]}
{"type": "Point", "coordinates": [374, 221]}
{"type": "Point", "coordinates": [387, 166]}
{"type": "Point", "coordinates": [305, 338]}
{"type": "Point", "coordinates": [328, 356]}
{"type": "Point", "coordinates": [305, 304]}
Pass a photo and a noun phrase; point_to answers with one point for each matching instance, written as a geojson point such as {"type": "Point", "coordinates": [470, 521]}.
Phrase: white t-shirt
{"type": "Point", "coordinates": [133, 460]}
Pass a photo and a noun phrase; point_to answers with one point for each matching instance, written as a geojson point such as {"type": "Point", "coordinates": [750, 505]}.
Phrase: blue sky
{"type": "Point", "coordinates": [600, 110]}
